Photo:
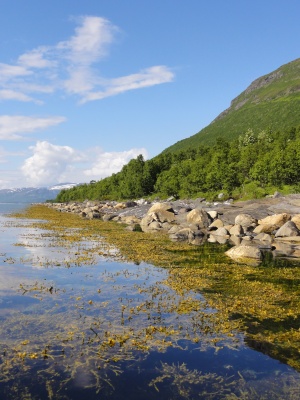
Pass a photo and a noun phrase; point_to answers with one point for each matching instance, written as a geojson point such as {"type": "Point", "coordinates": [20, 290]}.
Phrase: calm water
{"type": "Point", "coordinates": [114, 330]}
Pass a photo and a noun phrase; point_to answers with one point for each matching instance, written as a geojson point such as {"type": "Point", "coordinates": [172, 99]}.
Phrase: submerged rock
{"type": "Point", "coordinates": [243, 251]}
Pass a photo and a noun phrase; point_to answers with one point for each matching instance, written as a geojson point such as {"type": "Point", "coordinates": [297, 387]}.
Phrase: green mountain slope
{"type": "Point", "coordinates": [271, 101]}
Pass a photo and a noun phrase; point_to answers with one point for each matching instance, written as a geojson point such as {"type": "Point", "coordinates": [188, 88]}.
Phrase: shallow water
{"type": "Point", "coordinates": [117, 330]}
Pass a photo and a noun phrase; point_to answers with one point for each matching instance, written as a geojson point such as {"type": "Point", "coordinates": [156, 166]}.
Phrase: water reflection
{"type": "Point", "coordinates": [118, 331]}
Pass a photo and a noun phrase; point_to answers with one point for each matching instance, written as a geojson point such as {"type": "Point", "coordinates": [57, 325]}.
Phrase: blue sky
{"type": "Point", "coordinates": [87, 85]}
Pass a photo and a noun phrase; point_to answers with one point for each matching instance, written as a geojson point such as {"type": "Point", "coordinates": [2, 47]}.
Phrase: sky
{"type": "Point", "coordinates": [87, 85]}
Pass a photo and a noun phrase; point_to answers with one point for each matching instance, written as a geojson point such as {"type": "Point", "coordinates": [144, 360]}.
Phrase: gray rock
{"type": "Point", "coordinates": [109, 217]}
{"type": "Point", "coordinates": [245, 220]}
{"type": "Point", "coordinates": [217, 223]}
{"type": "Point", "coordinates": [161, 207]}
{"type": "Point", "coordinates": [296, 220]}
{"type": "Point", "coordinates": [198, 216]}
{"type": "Point", "coordinates": [174, 229]}
{"type": "Point", "coordinates": [155, 225]}
{"type": "Point", "coordinates": [275, 221]}
{"type": "Point", "coordinates": [183, 234]}
{"type": "Point", "coordinates": [212, 213]}
{"type": "Point", "coordinates": [164, 216]}
{"type": "Point", "coordinates": [263, 237]}
{"type": "Point", "coordinates": [236, 230]}
{"type": "Point", "coordinates": [221, 232]}
{"type": "Point", "coordinates": [276, 195]}
{"type": "Point", "coordinates": [240, 252]}
{"type": "Point", "coordinates": [130, 204]}
{"type": "Point", "coordinates": [287, 230]}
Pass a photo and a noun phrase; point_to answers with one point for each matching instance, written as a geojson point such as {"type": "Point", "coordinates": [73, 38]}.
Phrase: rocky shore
{"type": "Point", "coordinates": [252, 227]}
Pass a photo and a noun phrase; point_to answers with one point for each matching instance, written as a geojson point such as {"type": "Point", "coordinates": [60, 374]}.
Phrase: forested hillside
{"type": "Point", "coordinates": [270, 102]}
{"type": "Point", "coordinates": [253, 165]}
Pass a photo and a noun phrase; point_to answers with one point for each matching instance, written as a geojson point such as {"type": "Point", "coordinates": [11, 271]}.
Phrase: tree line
{"type": "Point", "coordinates": [252, 166]}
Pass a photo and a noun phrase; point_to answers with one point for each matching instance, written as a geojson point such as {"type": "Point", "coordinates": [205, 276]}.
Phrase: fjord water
{"type": "Point", "coordinates": [114, 330]}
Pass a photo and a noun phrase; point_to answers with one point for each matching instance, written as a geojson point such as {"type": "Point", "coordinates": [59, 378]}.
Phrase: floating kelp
{"type": "Point", "coordinates": [87, 323]}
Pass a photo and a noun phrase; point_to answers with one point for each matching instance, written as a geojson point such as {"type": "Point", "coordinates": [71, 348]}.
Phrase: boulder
{"type": "Point", "coordinates": [221, 232]}
{"type": "Point", "coordinates": [130, 204]}
{"type": "Point", "coordinates": [213, 214]}
{"type": "Point", "coordinates": [129, 219]}
{"type": "Point", "coordinates": [198, 216]}
{"type": "Point", "coordinates": [247, 238]}
{"type": "Point", "coordinates": [183, 210]}
{"type": "Point", "coordinates": [236, 230]}
{"type": "Point", "coordinates": [155, 225]}
{"type": "Point", "coordinates": [217, 223]}
{"type": "Point", "coordinates": [287, 230]}
{"type": "Point", "coordinates": [120, 206]}
{"type": "Point", "coordinates": [245, 220]}
{"type": "Point", "coordinates": [164, 216]}
{"type": "Point", "coordinates": [290, 239]}
{"type": "Point", "coordinates": [263, 237]}
{"type": "Point", "coordinates": [160, 207]}
{"type": "Point", "coordinates": [264, 228]}
{"type": "Point", "coordinates": [109, 217]}
{"type": "Point", "coordinates": [244, 252]}
{"type": "Point", "coordinates": [235, 240]}
{"type": "Point", "coordinates": [296, 220]}
{"type": "Point", "coordinates": [217, 239]}
{"type": "Point", "coordinates": [283, 249]}
{"type": "Point", "coordinates": [174, 229]}
{"type": "Point", "coordinates": [183, 234]}
{"type": "Point", "coordinates": [276, 220]}
{"type": "Point", "coordinates": [147, 220]}
{"type": "Point", "coordinates": [166, 226]}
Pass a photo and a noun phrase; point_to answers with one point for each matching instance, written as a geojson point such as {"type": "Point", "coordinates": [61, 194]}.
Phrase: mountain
{"type": "Point", "coordinates": [270, 102]}
{"type": "Point", "coordinates": [32, 194]}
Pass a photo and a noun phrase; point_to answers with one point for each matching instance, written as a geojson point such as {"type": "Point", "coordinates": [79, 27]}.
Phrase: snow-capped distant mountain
{"type": "Point", "coordinates": [32, 194]}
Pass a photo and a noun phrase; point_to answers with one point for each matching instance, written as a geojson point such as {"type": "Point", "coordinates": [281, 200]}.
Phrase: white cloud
{"type": "Point", "coordinates": [72, 66]}
{"type": "Point", "coordinates": [90, 41]}
{"type": "Point", "coordinates": [51, 164]}
{"type": "Point", "coordinates": [107, 163]}
{"type": "Point", "coordinates": [35, 88]}
{"type": "Point", "coordinates": [35, 59]}
{"type": "Point", "coordinates": [13, 126]}
{"type": "Point", "coordinates": [81, 81]}
{"type": "Point", "coordinates": [11, 71]}
{"type": "Point", "coordinates": [148, 77]}
{"type": "Point", "coordinates": [14, 95]}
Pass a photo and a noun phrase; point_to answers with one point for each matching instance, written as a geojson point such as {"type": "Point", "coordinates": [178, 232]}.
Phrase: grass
{"type": "Point", "coordinates": [275, 105]}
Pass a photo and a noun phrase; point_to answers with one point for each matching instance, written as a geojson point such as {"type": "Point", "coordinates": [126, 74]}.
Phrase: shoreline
{"type": "Point", "coordinates": [252, 227]}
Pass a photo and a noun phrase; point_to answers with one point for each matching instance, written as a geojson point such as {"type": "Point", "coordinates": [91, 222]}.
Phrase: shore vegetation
{"type": "Point", "coordinates": [253, 166]}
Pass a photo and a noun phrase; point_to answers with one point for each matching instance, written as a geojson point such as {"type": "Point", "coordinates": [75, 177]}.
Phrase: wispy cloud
{"type": "Point", "coordinates": [70, 66]}
{"type": "Point", "coordinates": [51, 164]}
{"type": "Point", "coordinates": [148, 77]}
{"type": "Point", "coordinates": [8, 94]}
{"type": "Point", "coordinates": [8, 71]}
{"type": "Point", "coordinates": [35, 59]}
{"type": "Point", "coordinates": [89, 44]}
{"type": "Point", "coordinates": [12, 127]}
